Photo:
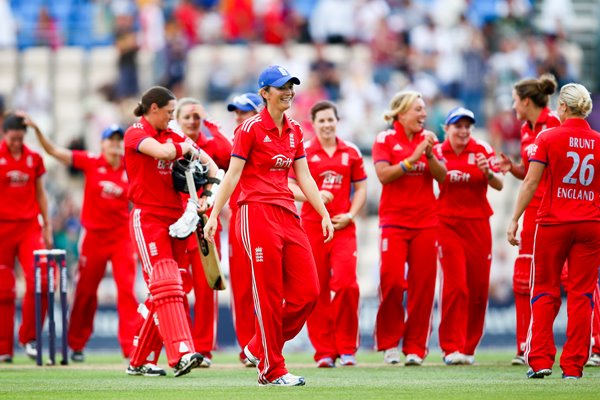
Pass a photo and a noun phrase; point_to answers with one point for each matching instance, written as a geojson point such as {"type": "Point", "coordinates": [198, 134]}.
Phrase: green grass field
{"type": "Point", "coordinates": [102, 376]}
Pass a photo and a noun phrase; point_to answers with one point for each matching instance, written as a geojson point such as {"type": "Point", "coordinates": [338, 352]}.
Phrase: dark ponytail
{"type": "Point", "coordinates": [155, 95]}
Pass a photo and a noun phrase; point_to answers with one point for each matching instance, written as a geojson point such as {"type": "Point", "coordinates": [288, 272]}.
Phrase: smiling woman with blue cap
{"type": "Point", "coordinates": [102, 238]}
{"type": "Point", "coordinates": [284, 277]}
{"type": "Point", "coordinates": [464, 236]}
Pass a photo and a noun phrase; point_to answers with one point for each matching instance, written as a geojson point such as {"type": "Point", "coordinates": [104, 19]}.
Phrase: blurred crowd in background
{"type": "Point", "coordinates": [453, 51]}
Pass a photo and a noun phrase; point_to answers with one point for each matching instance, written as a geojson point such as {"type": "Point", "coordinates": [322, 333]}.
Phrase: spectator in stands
{"type": "Point", "coordinates": [327, 72]}
{"type": "Point", "coordinates": [187, 16]}
{"type": "Point", "coordinates": [126, 43]}
{"type": "Point", "coordinates": [325, 28]}
{"type": "Point", "coordinates": [8, 27]}
{"type": "Point", "coordinates": [239, 21]}
{"type": "Point", "coordinates": [47, 31]}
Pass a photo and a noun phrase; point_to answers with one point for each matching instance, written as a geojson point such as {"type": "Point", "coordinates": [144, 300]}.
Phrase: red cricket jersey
{"type": "Point", "coordinates": [218, 146]}
{"type": "Point", "coordinates": [18, 200]}
{"type": "Point", "coordinates": [150, 181]}
{"type": "Point", "coordinates": [547, 119]}
{"type": "Point", "coordinates": [105, 192]}
{"type": "Point", "coordinates": [334, 173]}
{"type": "Point", "coordinates": [408, 201]}
{"type": "Point", "coordinates": [269, 158]}
{"type": "Point", "coordinates": [463, 193]}
{"type": "Point", "coordinates": [571, 154]}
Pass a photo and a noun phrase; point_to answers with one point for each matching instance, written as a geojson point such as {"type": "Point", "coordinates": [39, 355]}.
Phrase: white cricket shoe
{"type": "Point", "coordinates": [391, 356]}
{"type": "Point", "coordinates": [347, 360]}
{"type": "Point", "coordinates": [251, 357]}
{"type": "Point", "coordinates": [188, 362]}
{"type": "Point", "coordinates": [206, 363]}
{"type": "Point", "coordinates": [594, 360]}
{"type": "Point", "coordinates": [469, 360]}
{"type": "Point", "coordinates": [31, 350]}
{"type": "Point", "coordinates": [413, 360]}
{"type": "Point", "coordinates": [148, 369]}
{"type": "Point", "coordinates": [286, 380]}
{"type": "Point", "coordinates": [326, 362]}
{"type": "Point", "coordinates": [518, 360]}
{"type": "Point", "coordinates": [454, 358]}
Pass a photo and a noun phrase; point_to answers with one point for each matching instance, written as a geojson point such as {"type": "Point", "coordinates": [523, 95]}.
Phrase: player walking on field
{"type": "Point", "coordinates": [406, 166]}
{"type": "Point", "coordinates": [568, 228]}
{"type": "Point", "coordinates": [244, 106]}
{"type": "Point", "coordinates": [102, 239]}
{"type": "Point", "coordinates": [191, 118]}
{"type": "Point", "coordinates": [22, 203]}
{"type": "Point", "coordinates": [150, 150]}
{"type": "Point", "coordinates": [530, 102]}
{"type": "Point", "coordinates": [465, 237]}
{"type": "Point", "coordinates": [284, 278]}
{"type": "Point", "coordinates": [337, 168]}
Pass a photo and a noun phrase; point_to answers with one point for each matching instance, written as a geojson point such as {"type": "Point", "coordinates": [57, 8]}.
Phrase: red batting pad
{"type": "Point", "coordinates": [167, 293]}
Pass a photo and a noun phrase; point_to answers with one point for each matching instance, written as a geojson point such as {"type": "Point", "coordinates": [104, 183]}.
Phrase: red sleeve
{"type": "Point", "coordinates": [222, 145]}
{"type": "Point", "coordinates": [358, 167]}
{"type": "Point", "coordinates": [242, 143]}
{"type": "Point", "coordinates": [538, 151]}
{"type": "Point", "coordinates": [82, 159]}
{"type": "Point", "coordinates": [40, 169]}
{"type": "Point", "coordinates": [134, 136]}
{"type": "Point", "coordinates": [300, 151]}
{"type": "Point", "coordinates": [381, 151]}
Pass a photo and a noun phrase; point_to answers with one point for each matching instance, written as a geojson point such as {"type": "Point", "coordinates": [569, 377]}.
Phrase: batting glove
{"type": "Point", "coordinates": [187, 223]}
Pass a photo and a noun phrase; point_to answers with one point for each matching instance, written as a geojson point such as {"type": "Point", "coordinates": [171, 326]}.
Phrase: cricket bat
{"type": "Point", "coordinates": [208, 252]}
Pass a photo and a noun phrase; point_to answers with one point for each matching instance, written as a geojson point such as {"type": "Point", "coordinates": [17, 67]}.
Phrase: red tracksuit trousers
{"type": "Point", "coordinates": [579, 244]}
{"type": "Point", "coordinates": [522, 278]}
{"type": "Point", "coordinates": [465, 247]}
{"type": "Point", "coordinates": [240, 277]}
{"type": "Point", "coordinates": [417, 248]}
{"type": "Point", "coordinates": [285, 285]}
{"type": "Point", "coordinates": [19, 240]}
{"type": "Point", "coordinates": [97, 248]}
{"type": "Point", "coordinates": [333, 324]}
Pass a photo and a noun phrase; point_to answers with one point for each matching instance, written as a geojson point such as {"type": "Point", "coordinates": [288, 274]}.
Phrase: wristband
{"type": "Point", "coordinates": [178, 151]}
{"type": "Point", "coordinates": [403, 167]}
{"type": "Point", "coordinates": [349, 215]}
{"type": "Point", "coordinates": [429, 156]}
{"type": "Point", "coordinates": [206, 193]}
{"type": "Point", "coordinates": [490, 176]}
{"type": "Point", "coordinates": [407, 163]}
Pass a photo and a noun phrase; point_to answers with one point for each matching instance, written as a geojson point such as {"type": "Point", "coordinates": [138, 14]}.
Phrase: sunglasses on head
{"type": "Point", "coordinates": [243, 100]}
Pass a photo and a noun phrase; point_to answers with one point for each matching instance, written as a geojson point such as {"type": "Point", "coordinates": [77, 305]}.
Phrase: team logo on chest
{"type": "Point", "coordinates": [3, 161]}
{"type": "Point", "coordinates": [531, 150]}
{"type": "Point", "coordinates": [315, 158]}
{"type": "Point", "coordinates": [267, 139]}
{"type": "Point", "coordinates": [17, 178]}
{"type": "Point", "coordinates": [458, 176]}
{"type": "Point", "coordinates": [29, 162]}
{"type": "Point", "coordinates": [471, 159]}
{"type": "Point", "coordinates": [292, 142]}
{"type": "Point", "coordinates": [101, 170]}
{"type": "Point", "coordinates": [331, 180]}
{"type": "Point", "coordinates": [345, 159]}
{"type": "Point", "coordinates": [110, 190]}
{"type": "Point", "coordinates": [281, 163]}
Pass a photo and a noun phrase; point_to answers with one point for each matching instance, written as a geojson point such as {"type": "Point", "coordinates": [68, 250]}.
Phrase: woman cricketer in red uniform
{"type": "Point", "coordinates": [191, 118]}
{"type": "Point", "coordinates": [465, 236]}
{"type": "Point", "coordinates": [102, 239]}
{"type": "Point", "coordinates": [24, 227]}
{"type": "Point", "coordinates": [244, 106]}
{"type": "Point", "coordinates": [150, 150]}
{"type": "Point", "coordinates": [568, 229]}
{"type": "Point", "coordinates": [406, 166]}
{"type": "Point", "coordinates": [337, 168]}
{"type": "Point", "coordinates": [530, 102]}
{"type": "Point", "coordinates": [284, 278]}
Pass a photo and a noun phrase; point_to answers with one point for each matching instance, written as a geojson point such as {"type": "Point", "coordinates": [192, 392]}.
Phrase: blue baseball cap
{"type": "Point", "coordinates": [457, 113]}
{"type": "Point", "coordinates": [245, 102]}
{"type": "Point", "coordinates": [112, 130]}
{"type": "Point", "coordinates": [276, 76]}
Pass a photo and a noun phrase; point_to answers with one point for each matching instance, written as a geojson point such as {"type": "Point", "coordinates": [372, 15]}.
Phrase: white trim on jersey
{"type": "Point", "coordinates": [247, 124]}
{"type": "Point", "coordinates": [380, 138]}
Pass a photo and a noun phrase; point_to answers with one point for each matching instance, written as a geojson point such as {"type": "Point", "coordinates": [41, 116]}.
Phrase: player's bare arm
{"type": "Point", "coordinates": [530, 184]}
{"type": "Point", "coordinates": [359, 199]}
{"type": "Point", "coordinates": [230, 181]}
{"type": "Point", "coordinates": [166, 151]}
{"type": "Point", "coordinates": [506, 165]}
{"type": "Point", "coordinates": [494, 179]}
{"type": "Point", "coordinates": [311, 191]}
{"type": "Point", "coordinates": [436, 167]}
{"type": "Point", "coordinates": [42, 201]}
{"type": "Point", "coordinates": [62, 154]}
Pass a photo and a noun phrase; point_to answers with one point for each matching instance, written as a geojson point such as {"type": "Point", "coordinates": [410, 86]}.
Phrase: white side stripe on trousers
{"type": "Point", "coordinates": [141, 242]}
